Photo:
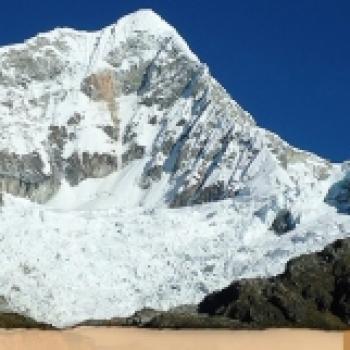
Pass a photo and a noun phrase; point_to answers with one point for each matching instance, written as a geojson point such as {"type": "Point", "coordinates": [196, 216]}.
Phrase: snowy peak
{"type": "Point", "coordinates": [144, 20]}
{"type": "Point", "coordinates": [132, 108]}
{"type": "Point", "coordinates": [77, 105]}
{"type": "Point", "coordinates": [149, 21]}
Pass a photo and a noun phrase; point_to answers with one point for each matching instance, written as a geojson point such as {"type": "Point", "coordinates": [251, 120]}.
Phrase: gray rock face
{"type": "Point", "coordinates": [313, 292]}
{"type": "Point", "coordinates": [339, 195]}
{"type": "Point", "coordinates": [23, 176]}
{"type": "Point", "coordinates": [137, 45]}
{"type": "Point", "coordinates": [134, 152]}
{"type": "Point", "coordinates": [79, 167]}
{"type": "Point", "coordinates": [168, 77]}
{"type": "Point", "coordinates": [183, 317]}
{"type": "Point", "coordinates": [11, 320]}
{"type": "Point", "coordinates": [283, 222]}
{"type": "Point", "coordinates": [17, 321]}
{"type": "Point", "coordinates": [29, 67]}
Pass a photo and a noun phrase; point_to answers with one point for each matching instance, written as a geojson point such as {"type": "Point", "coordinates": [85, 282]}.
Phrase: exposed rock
{"type": "Point", "coordinates": [134, 152]}
{"type": "Point", "coordinates": [111, 131]}
{"type": "Point", "coordinates": [13, 320]}
{"type": "Point", "coordinates": [143, 317]}
{"type": "Point", "coordinates": [155, 172]}
{"type": "Point", "coordinates": [100, 86]}
{"type": "Point", "coordinates": [58, 135]}
{"type": "Point", "coordinates": [179, 320]}
{"type": "Point", "coordinates": [313, 292]}
{"type": "Point", "coordinates": [23, 175]}
{"type": "Point", "coordinates": [210, 193]}
{"type": "Point", "coordinates": [29, 66]}
{"type": "Point", "coordinates": [283, 222]}
{"type": "Point", "coordinates": [28, 167]}
{"type": "Point", "coordinates": [140, 318]}
{"type": "Point", "coordinates": [167, 77]}
{"type": "Point", "coordinates": [130, 80]}
{"type": "Point", "coordinates": [339, 195]}
{"type": "Point", "coordinates": [36, 191]}
{"type": "Point", "coordinates": [113, 322]}
{"type": "Point", "coordinates": [185, 316]}
{"type": "Point", "coordinates": [79, 167]}
{"type": "Point", "coordinates": [152, 120]}
{"type": "Point", "coordinates": [103, 86]}
{"type": "Point", "coordinates": [75, 119]}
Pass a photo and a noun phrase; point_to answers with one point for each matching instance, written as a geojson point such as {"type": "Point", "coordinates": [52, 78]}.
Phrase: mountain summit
{"type": "Point", "coordinates": [141, 182]}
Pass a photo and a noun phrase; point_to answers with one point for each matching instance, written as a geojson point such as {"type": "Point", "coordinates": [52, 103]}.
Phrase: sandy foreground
{"type": "Point", "coordinates": [138, 339]}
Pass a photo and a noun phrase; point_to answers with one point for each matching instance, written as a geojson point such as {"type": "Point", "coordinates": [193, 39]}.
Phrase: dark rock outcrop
{"type": "Point", "coordinates": [185, 316]}
{"type": "Point", "coordinates": [78, 167]}
{"type": "Point", "coordinates": [134, 152]}
{"type": "Point", "coordinates": [23, 175]}
{"type": "Point", "coordinates": [313, 292]}
{"type": "Point", "coordinates": [283, 222]}
{"type": "Point", "coordinates": [13, 320]}
{"type": "Point", "coordinates": [339, 195]}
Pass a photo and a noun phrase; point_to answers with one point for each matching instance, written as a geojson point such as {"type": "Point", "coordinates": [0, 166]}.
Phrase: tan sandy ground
{"type": "Point", "coordinates": [347, 341]}
{"type": "Point", "coordinates": [138, 339]}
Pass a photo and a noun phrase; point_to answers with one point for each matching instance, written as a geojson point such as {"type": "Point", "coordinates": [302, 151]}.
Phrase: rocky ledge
{"type": "Point", "coordinates": [185, 316]}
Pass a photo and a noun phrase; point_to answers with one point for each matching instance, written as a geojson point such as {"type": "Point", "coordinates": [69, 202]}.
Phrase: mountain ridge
{"type": "Point", "coordinates": [87, 82]}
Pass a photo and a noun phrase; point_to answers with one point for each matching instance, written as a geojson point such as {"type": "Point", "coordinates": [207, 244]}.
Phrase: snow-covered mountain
{"type": "Point", "coordinates": [130, 178]}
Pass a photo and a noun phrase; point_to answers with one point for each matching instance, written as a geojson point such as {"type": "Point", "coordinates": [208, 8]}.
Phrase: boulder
{"type": "Point", "coordinates": [338, 195]}
{"type": "Point", "coordinates": [313, 292]}
{"type": "Point", "coordinates": [283, 222]}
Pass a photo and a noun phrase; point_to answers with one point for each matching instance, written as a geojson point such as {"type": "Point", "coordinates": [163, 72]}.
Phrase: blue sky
{"type": "Point", "coordinates": [286, 62]}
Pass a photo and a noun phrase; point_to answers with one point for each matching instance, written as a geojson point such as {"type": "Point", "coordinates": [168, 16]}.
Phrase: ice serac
{"type": "Point", "coordinates": [108, 140]}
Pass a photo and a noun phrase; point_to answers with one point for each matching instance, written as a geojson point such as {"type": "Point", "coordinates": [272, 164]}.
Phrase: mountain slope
{"type": "Point", "coordinates": [108, 142]}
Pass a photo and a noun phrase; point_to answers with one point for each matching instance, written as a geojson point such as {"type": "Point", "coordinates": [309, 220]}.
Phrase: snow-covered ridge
{"type": "Point", "coordinates": [119, 135]}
